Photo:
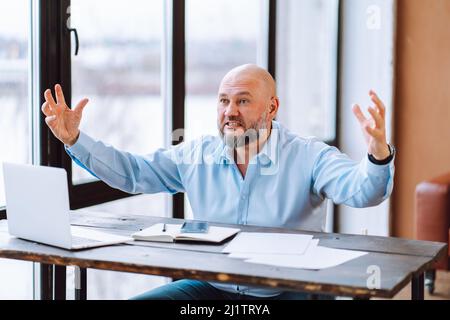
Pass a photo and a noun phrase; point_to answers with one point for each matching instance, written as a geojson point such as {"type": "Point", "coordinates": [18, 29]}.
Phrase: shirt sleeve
{"type": "Point", "coordinates": [356, 184]}
{"type": "Point", "coordinates": [153, 173]}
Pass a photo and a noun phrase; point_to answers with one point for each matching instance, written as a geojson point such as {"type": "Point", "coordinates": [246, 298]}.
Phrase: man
{"type": "Point", "coordinates": [256, 172]}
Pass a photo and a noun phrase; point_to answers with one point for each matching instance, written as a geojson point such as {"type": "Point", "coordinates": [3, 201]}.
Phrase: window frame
{"type": "Point", "coordinates": [51, 55]}
{"type": "Point", "coordinates": [178, 79]}
{"type": "Point", "coordinates": [337, 126]}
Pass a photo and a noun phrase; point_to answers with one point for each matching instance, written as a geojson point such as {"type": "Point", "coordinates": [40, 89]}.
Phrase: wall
{"type": "Point", "coordinates": [422, 105]}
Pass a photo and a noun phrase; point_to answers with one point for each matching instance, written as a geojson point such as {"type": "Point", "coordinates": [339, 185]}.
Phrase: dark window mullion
{"type": "Point", "coordinates": [52, 32]}
{"type": "Point", "coordinates": [335, 142]}
{"type": "Point", "coordinates": [339, 72]}
{"type": "Point", "coordinates": [272, 47]}
{"type": "Point", "coordinates": [178, 84]}
{"type": "Point", "coordinates": [50, 74]}
{"type": "Point", "coordinates": [338, 98]}
{"type": "Point", "coordinates": [94, 193]}
{"type": "Point", "coordinates": [332, 143]}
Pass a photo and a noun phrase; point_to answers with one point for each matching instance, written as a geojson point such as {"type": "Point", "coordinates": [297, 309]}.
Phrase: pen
{"type": "Point", "coordinates": [164, 228]}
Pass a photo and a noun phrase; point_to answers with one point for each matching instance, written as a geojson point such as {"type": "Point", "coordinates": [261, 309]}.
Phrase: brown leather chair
{"type": "Point", "coordinates": [433, 219]}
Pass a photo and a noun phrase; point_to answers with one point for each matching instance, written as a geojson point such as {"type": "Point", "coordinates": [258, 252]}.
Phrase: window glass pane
{"type": "Point", "coordinates": [15, 138]}
{"type": "Point", "coordinates": [16, 277]}
{"type": "Point", "coordinates": [118, 68]}
{"type": "Point", "coordinates": [306, 66]}
{"type": "Point", "coordinates": [219, 37]}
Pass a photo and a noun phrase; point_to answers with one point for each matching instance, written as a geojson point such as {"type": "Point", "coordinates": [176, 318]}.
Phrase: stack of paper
{"type": "Point", "coordinates": [287, 250]}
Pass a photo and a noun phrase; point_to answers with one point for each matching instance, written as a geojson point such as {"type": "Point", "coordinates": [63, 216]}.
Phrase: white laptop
{"type": "Point", "coordinates": [37, 207]}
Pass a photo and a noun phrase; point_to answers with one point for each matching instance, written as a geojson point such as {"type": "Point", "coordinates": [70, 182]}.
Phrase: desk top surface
{"type": "Point", "coordinates": [397, 259]}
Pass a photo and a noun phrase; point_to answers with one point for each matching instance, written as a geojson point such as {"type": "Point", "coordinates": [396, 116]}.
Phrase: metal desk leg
{"type": "Point", "coordinates": [46, 280]}
{"type": "Point", "coordinates": [418, 288]}
{"type": "Point", "coordinates": [60, 283]}
{"type": "Point", "coordinates": [80, 283]}
{"type": "Point", "coordinates": [53, 282]}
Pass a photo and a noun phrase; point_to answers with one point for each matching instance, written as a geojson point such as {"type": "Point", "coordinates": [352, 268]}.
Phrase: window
{"type": "Point", "coordinates": [307, 59]}
{"type": "Point", "coordinates": [16, 278]}
{"type": "Point", "coordinates": [219, 37]}
{"type": "Point", "coordinates": [118, 67]}
{"type": "Point", "coordinates": [15, 134]}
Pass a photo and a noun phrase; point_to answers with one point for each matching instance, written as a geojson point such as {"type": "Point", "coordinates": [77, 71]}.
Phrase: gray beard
{"type": "Point", "coordinates": [252, 134]}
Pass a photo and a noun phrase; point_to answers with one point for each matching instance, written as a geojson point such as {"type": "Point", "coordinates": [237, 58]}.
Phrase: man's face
{"type": "Point", "coordinates": [242, 110]}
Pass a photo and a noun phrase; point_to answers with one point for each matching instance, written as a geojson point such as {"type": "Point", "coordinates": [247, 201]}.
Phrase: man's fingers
{"type": "Point", "coordinates": [80, 106]}
{"type": "Point", "coordinates": [370, 130]}
{"type": "Point", "coordinates": [59, 95]}
{"type": "Point", "coordinates": [379, 122]}
{"type": "Point", "coordinates": [50, 121]}
{"type": "Point", "coordinates": [358, 113]}
{"type": "Point", "coordinates": [46, 109]}
{"type": "Point", "coordinates": [380, 105]}
{"type": "Point", "coordinates": [49, 98]}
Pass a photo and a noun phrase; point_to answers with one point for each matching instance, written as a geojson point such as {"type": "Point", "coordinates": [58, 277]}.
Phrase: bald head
{"type": "Point", "coordinates": [247, 102]}
{"type": "Point", "coordinates": [253, 74]}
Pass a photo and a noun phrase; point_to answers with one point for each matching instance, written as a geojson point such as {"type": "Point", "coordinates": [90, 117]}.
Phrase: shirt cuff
{"type": "Point", "coordinates": [373, 169]}
{"type": "Point", "coordinates": [83, 145]}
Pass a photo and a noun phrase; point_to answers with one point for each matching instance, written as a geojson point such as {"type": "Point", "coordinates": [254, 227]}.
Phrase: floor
{"type": "Point", "coordinates": [442, 291]}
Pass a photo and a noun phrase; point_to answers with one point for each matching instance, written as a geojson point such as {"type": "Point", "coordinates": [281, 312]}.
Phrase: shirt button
{"type": "Point", "coordinates": [264, 161]}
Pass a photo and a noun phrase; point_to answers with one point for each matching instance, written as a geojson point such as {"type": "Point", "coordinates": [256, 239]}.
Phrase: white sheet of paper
{"type": "Point", "coordinates": [268, 243]}
{"type": "Point", "coordinates": [316, 258]}
{"type": "Point", "coordinates": [97, 235]}
{"type": "Point", "coordinates": [247, 256]}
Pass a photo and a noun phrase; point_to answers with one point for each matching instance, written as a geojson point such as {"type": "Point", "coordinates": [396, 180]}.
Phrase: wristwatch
{"type": "Point", "coordinates": [385, 161]}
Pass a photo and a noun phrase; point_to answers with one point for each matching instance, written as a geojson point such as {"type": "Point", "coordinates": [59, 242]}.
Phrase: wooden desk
{"type": "Point", "coordinates": [399, 261]}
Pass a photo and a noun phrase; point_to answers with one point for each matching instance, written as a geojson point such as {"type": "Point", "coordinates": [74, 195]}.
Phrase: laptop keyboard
{"type": "Point", "coordinates": [76, 241]}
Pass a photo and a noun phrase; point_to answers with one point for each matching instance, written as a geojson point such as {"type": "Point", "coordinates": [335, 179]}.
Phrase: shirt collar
{"type": "Point", "coordinates": [269, 153]}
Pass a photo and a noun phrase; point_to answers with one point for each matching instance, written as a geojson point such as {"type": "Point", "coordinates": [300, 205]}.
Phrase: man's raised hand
{"type": "Point", "coordinates": [62, 121]}
{"type": "Point", "coordinates": [374, 128]}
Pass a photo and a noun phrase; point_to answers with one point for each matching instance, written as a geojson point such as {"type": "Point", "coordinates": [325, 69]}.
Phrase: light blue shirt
{"type": "Point", "coordinates": [283, 187]}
